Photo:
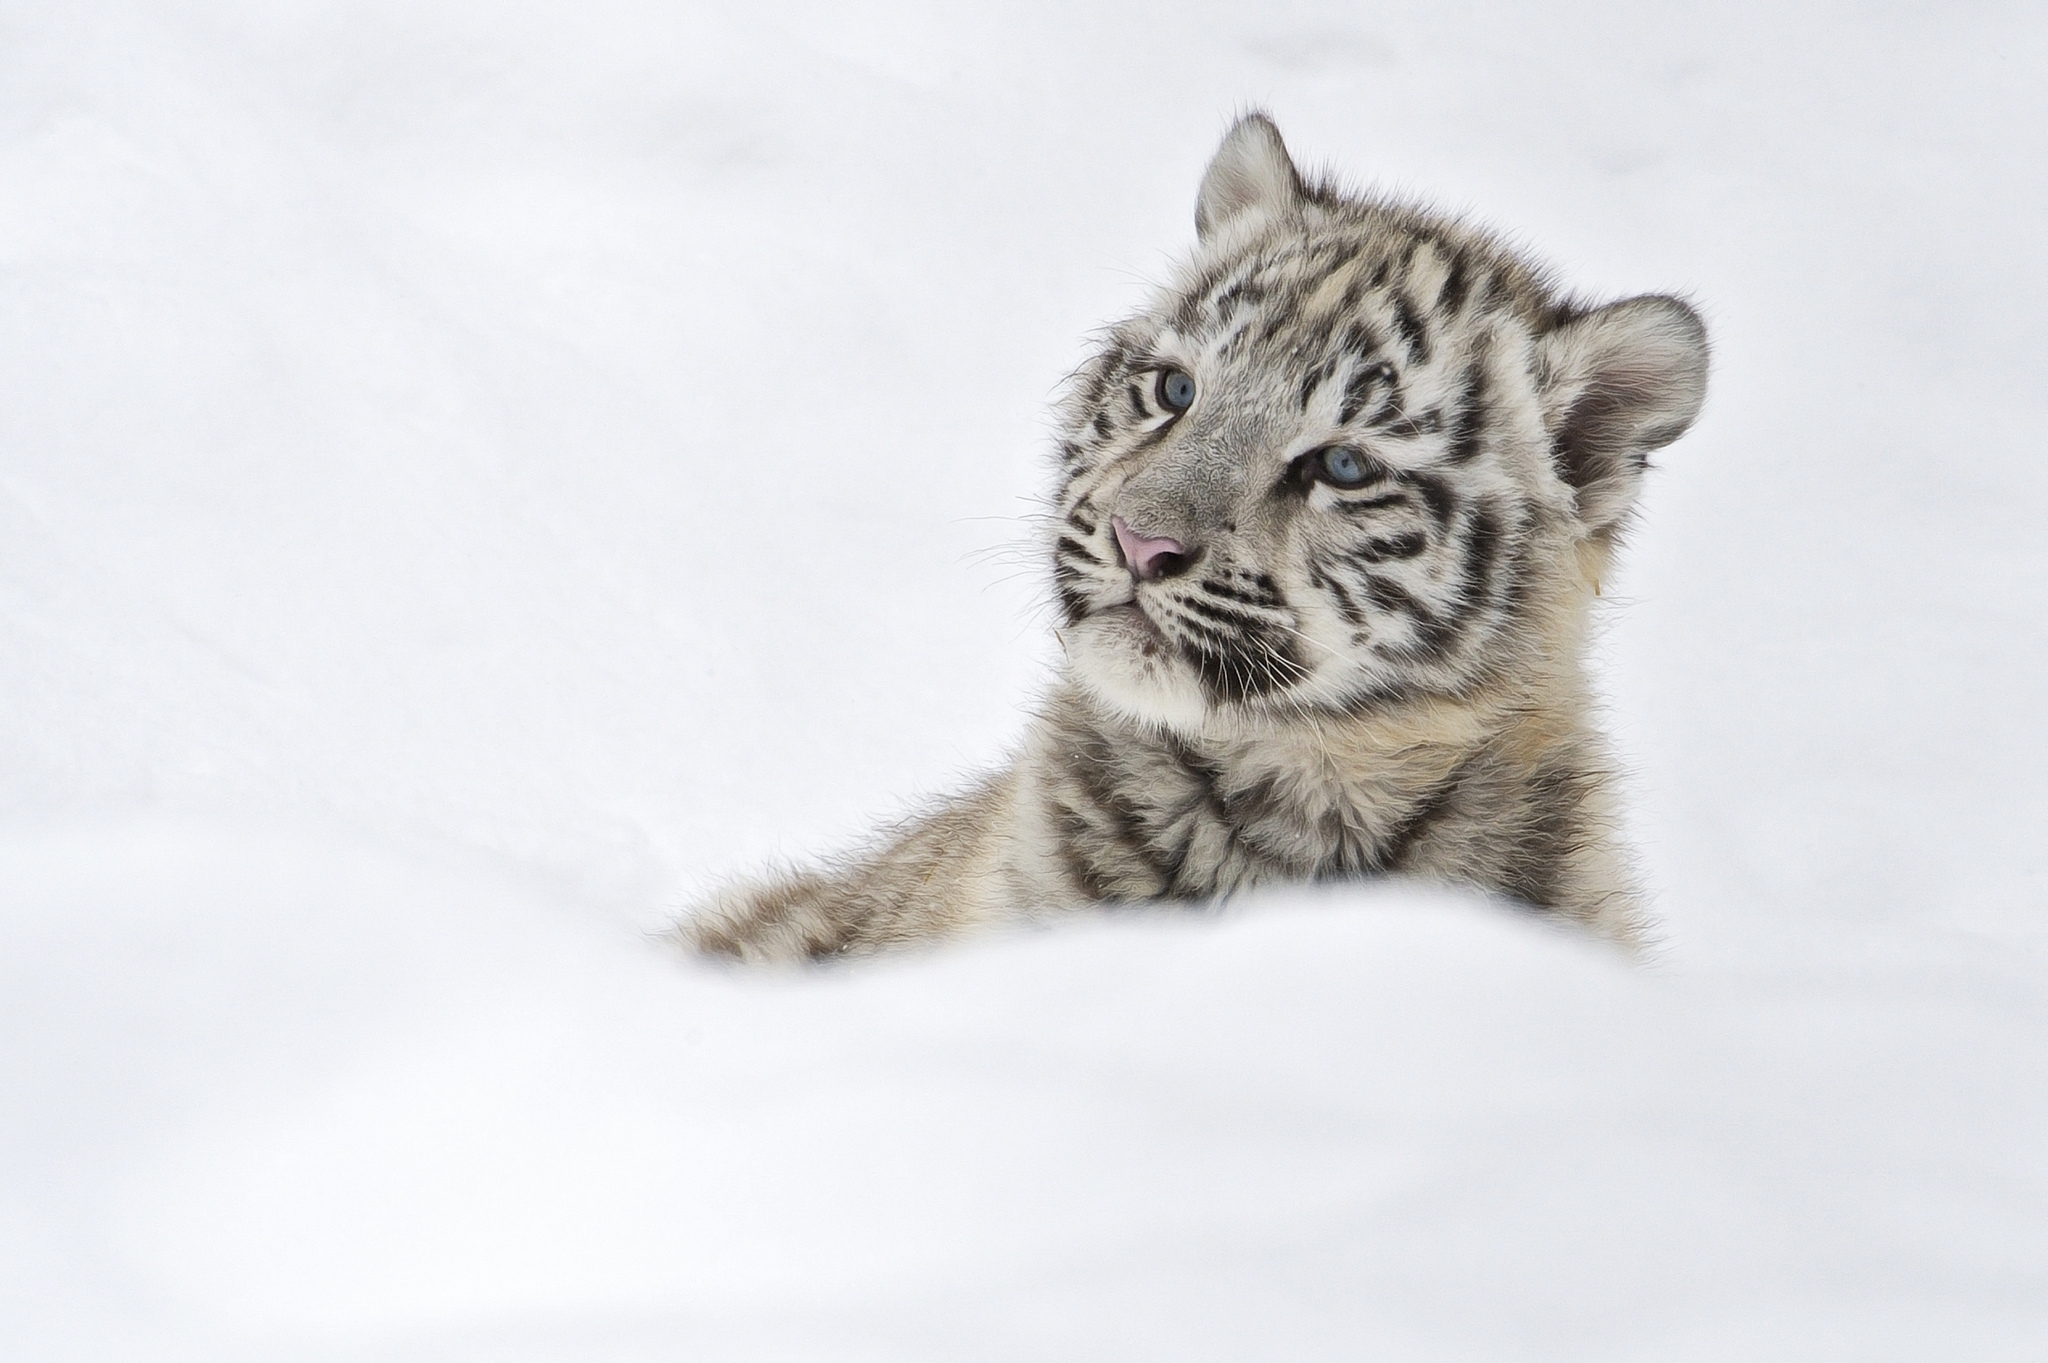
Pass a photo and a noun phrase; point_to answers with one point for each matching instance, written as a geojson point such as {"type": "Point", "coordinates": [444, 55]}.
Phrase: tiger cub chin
{"type": "Point", "coordinates": [1331, 512]}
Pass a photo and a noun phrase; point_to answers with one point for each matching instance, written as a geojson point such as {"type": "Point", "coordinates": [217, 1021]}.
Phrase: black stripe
{"type": "Point", "coordinates": [1255, 663]}
{"type": "Point", "coordinates": [1260, 802]}
{"type": "Point", "coordinates": [1359, 388]}
{"type": "Point", "coordinates": [1482, 556]}
{"type": "Point", "coordinates": [1390, 595]}
{"type": "Point", "coordinates": [1328, 254]}
{"type": "Point", "coordinates": [1069, 544]}
{"type": "Point", "coordinates": [1471, 423]}
{"type": "Point", "coordinates": [1372, 504]}
{"type": "Point", "coordinates": [1346, 607]}
{"type": "Point", "coordinates": [1406, 427]}
{"type": "Point", "coordinates": [1207, 781]}
{"type": "Point", "coordinates": [1452, 296]}
{"type": "Point", "coordinates": [1280, 315]}
{"type": "Point", "coordinates": [1353, 291]}
{"type": "Point", "coordinates": [1399, 843]}
{"type": "Point", "coordinates": [1236, 677]}
{"type": "Point", "coordinates": [1174, 858]}
{"type": "Point", "coordinates": [1187, 316]}
{"type": "Point", "coordinates": [1434, 636]}
{"type": "Point", "coordinates": [1241, 292]}
{"type": "Point", "coordinates": [1226, 614]}
{"type": "Point", "coordinates": [1207, 776]}
{"type": "Point", "coordinates": [1362, 343]}
{"type": "Point", "coordinates": [1489, 291]}
{"type": "Point", "coordinates": [1154, 436]}
{"type": "Point", "coordinates": [1215, 588]}
{"type": "Point", "coordinates": [1436, 495]}
{"type": "Point", "coordinates": [1538, 858]}
{"type": "Point", "coordinates": [1311, 381]}
{"type": "Point", "coordinates": [1070, 585]}
{"type": "Point", "coordinates": [1401, 546]}
{"type": "Point", "coordinates": [1099, 784]}
{"type": "Point", "coordinates": [1230, 640]}
{"type": "Point", "coordinates": [1409, 325]}
{"type": "Point", "coordinates": [1375, 700]}
{"type": "Point", "coordinates": [1437, 634]}
{"type": "Point", "coordinates": [1072, 829]}
{"type": "Point", "coordinates": [1107, 370]}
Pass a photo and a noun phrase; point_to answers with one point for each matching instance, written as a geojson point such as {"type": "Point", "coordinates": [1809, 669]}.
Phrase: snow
{"type": "Point", "coordinates": [472, 475]}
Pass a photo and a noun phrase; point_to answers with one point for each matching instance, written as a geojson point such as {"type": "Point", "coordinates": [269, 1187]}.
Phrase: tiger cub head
{"type": "Point", "coordinates": [1351, 452]}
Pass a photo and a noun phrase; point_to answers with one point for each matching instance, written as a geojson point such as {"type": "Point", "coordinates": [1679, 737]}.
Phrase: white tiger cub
{"type": "Point", "coordinates": [1332, 511]}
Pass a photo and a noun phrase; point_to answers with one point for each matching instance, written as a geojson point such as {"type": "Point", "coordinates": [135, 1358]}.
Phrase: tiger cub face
{"type": "Point", "coordinates": [1351, 452]}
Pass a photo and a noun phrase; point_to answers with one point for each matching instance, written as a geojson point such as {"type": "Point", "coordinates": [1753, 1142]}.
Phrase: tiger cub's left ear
{"type": "Point", "coordinates": [1616, 383]}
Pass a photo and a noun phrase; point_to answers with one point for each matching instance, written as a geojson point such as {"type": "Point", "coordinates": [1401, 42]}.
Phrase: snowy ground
{"type": "Point", "coordinates": [472, 474]}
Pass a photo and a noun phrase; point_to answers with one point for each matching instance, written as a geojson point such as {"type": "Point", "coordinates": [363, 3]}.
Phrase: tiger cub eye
{"type": "Point", "coordinates": [1342, 466]}
{"type": "Point", "coordinates": [1176, 390]}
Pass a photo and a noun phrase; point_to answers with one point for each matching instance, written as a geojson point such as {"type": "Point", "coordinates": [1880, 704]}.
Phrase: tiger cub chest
{"type": "Point", "coordinates": [1169, 818]}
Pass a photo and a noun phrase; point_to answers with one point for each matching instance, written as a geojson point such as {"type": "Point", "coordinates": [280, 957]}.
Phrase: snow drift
{"type": "Point", "coordinates": [473, 475]}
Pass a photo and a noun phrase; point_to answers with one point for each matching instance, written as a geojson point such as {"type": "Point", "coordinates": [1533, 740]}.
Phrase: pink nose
{"type": "Point", "coordinates": [1150, 556]}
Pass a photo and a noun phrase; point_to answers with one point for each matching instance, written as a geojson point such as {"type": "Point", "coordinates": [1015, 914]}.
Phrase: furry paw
{"type": "Point", "coordinates": [793, 918]}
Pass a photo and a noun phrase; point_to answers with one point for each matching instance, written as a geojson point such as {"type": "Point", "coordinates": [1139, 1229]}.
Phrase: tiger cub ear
{"type": "Point", "coordinates": [1251, 172]}
{"type": "Point", "coordinates": [1616, 383]}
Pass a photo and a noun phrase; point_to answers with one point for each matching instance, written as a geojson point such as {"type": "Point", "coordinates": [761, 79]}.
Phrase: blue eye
{"type": "Point", "coordinates": [1176, 390]}
{"type": "Point", "coordinates": [1342, 466]}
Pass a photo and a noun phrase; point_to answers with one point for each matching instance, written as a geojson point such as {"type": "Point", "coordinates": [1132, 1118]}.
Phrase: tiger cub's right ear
{"type": "Point", "coordinates": [1616, 383]}
{"type": "Point", "coordinates": [1250, 173]}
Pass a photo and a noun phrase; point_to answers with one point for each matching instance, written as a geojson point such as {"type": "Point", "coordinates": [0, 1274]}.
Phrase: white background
{"type": "Point", "coordinates": [472, 475]}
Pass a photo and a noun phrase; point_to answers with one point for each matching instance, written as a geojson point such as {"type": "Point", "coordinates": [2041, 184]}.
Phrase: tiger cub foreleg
{"type": "Point", "coordinates": [935, 875]}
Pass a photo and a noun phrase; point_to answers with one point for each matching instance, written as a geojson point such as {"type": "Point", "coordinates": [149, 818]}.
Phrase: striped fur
{"type": "Point", "coordinates": [1339, 677]}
